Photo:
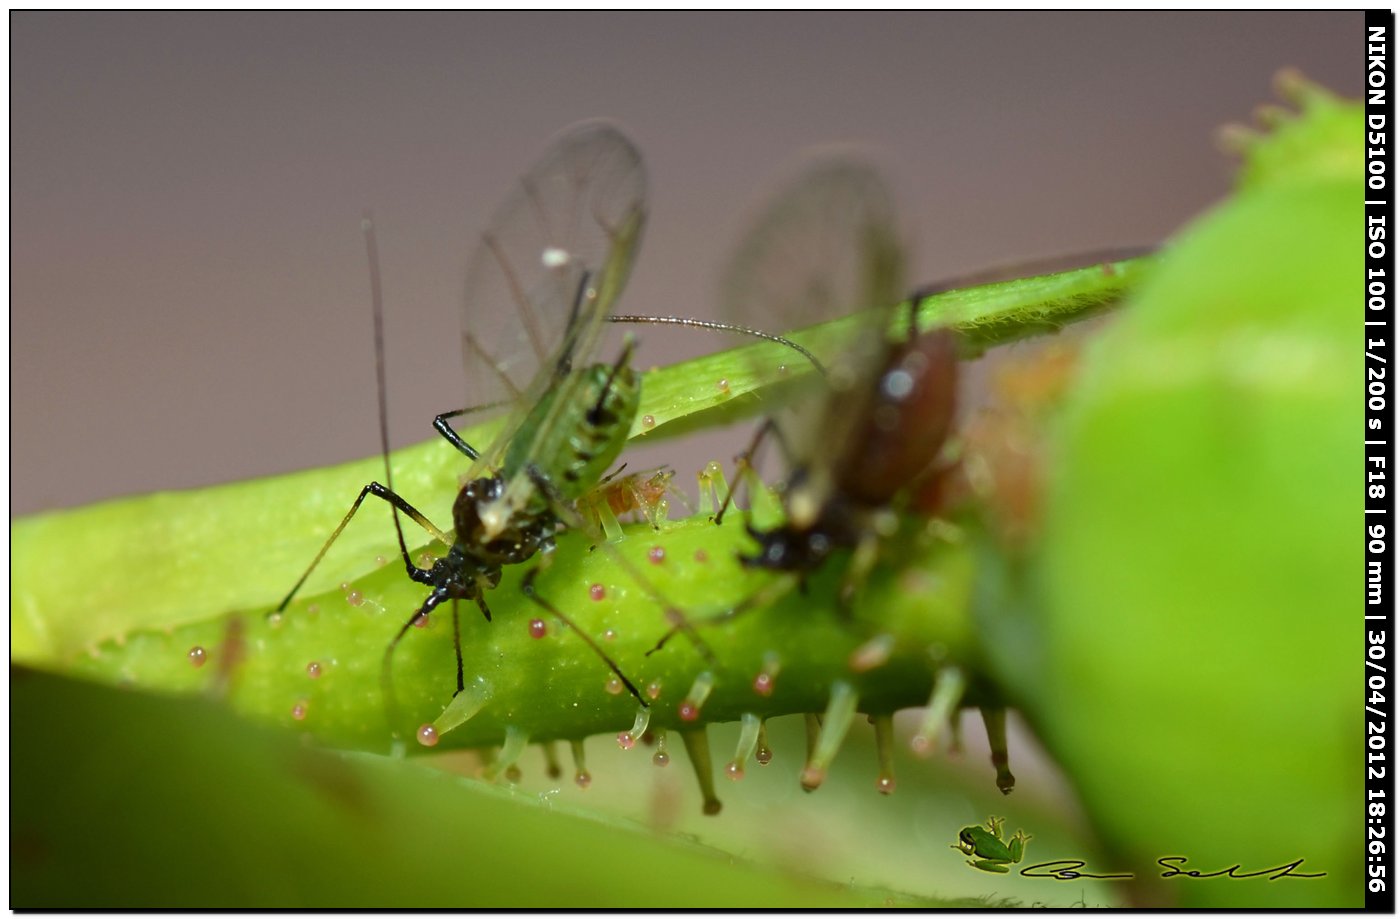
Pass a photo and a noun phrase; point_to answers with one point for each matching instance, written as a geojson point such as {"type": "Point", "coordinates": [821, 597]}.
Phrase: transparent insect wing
{"type": "Point", "coordinates": [547, 270]}
{"type": "Point", "coordinates": [827, 246]}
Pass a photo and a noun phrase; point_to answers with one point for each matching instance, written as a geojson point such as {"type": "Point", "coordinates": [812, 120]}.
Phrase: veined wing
{"type": "Point", "coordinates": [547, 270]}
{"type": "Point", "coordinates": [827, 245]}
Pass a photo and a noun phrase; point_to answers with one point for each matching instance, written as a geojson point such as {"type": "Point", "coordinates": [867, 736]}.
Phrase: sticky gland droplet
{"type": "Point", "coordinates": [702, 556]}
{"type": "Point", "coordinates": [885, 784]}
{"type": "Point", "coordinates": [653, 690]}
{"type": "Point", "coordinates": [355, 598]}
{"type": "Point", "coordinates": [812, 778]}
{"type": "Point", "coordinates": [763, 755]}
{"type": "Point", "coordinates": [381, 561]}
{"type": "Point", "coordinates": [722, 385]}
{"type": "Point", "coordinates": [782, 370]}
{"type": "Point", "coordinates": [656, 555]}
{"type": "Point", "coordinates": [648, 421]}
{"type": "Point", "coordinates": [537, 628]}
{"type": "Point", "coordinates": [597, 591]}
{"type": "Point", "coordinates": [661, 758]}
{"type": "Point", "coordinates": [610, 635]}
{"type": "Point", "coordinates": [921, 745]}
{"type": "Point", "coordinates": [428, 735]}
{"type": "Point", "coordinates": [274, 620]}
{"type": "Point", "coordinates": [689, 709]}
{"type": "Point", "coordinates": [299, 710]}
{"type": "Point", "coordinates": [313, 670]}
{"type": "Point", "coordinates": [613, 686]}
{"type": "Point", "coordinates": [625, 740]}
{"type": "Point", "coordinates": [197, 656]}
{"type": "Point", "coordinates": [734, 771]}
{"type": "Point", "coordinates": [582, 779]}
{"type": "Point", "coordinates": [419, 622]}
{"type": "Point", "coordinates": [766, 678]}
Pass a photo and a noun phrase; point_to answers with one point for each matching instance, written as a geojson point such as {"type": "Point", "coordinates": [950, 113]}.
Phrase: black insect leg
{"type": "Point", "coordinates": [767, 594]}
{"type": "Point", "coordinates": [387, 493]}
{"type": "Point", "coordinates": [527, 585]}
{"type": "Point", "coordinates": [744, 461]}
{"type": "Point", "coordinates": [571, 517]}
{"type": "Point", "coordinates": [379, 491]}
{"type": "Point", "coordinates": [386, 672]}
{"type": "Point", "coordinates": [1031, 268]}
{"type": "Point", "coordinates": [442, 426]}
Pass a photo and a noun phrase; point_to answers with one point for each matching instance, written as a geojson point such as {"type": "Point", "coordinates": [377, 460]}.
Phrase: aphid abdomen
{"type": "Point", "coordinates": [906, 420]}
{"type": "Point", "coordinates": [594, 428]}
{"type": "Point", "coordinates": [606, 408]}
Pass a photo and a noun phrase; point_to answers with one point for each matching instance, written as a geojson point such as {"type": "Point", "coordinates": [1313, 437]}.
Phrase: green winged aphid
{"type": "Point", "coordinates": [989, 849]}
{"type": "Point", "coordinates": [539, 287]}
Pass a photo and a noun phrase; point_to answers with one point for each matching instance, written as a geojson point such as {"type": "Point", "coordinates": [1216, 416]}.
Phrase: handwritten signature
{"type": "Point", "coordinates": [1069, 869]}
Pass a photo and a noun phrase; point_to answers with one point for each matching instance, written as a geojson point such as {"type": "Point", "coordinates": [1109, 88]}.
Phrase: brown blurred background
{"type": "Point", "coordinates": [189, 294]}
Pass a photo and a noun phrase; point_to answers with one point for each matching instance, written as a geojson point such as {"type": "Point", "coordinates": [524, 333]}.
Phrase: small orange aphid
{"type": "Point", "coordinates": [641, 495]}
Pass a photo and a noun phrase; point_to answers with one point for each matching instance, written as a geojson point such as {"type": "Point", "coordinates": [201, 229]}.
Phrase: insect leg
{"type": "Point", "coordinates": [431, 603]}
{"type": "Point", "coordinates": [386, 673]}
{"type": "Point", "coordinates": [379, 491]}
{"type": "Point", "coordinates": [527, 585]}
{"type": "Point", "coordinates": [1033, 267]}
{"type": "Point", "coordinates": [442, 426]}
{"type": "Point", "coordinates": [745, 459]}
{"type": "Point", "coordinates": [457, 642]}
{"type": "Point", "coordinates": [571, 517]}
{"type": "Point", "coordinates": [779, 587]}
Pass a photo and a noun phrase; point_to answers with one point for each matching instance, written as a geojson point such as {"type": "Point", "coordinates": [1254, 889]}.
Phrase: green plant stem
{"type": "Point", "coordinates": [93, 574]}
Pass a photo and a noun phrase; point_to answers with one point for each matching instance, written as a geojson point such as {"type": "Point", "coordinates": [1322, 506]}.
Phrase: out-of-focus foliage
{"type": "Point", "coordinates": [1195, 595]}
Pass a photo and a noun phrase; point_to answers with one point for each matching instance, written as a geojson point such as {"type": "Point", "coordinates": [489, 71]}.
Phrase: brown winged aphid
{"type": "Point", "coordinates": [874, 424]}
{"type": "Point", "coordinates": [876, 420]}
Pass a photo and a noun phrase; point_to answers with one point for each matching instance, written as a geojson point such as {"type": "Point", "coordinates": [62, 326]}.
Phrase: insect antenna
{"type": "Point", "coordinates": [723, 327]}
{"type": "Point", "coordinates": [381, 386]}
{"type": "Point", "coordinates": [1033, 268]}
